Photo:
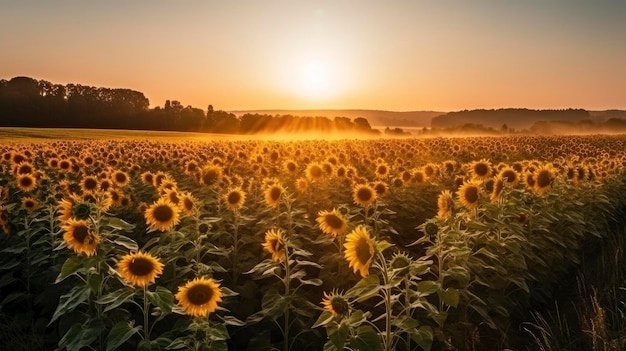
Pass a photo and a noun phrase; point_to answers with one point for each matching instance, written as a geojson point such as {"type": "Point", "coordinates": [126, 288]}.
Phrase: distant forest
{"type": "Point", "coordinates": [27, 102]}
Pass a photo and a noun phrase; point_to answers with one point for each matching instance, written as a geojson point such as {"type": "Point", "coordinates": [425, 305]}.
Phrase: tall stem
{"type": "Point", "coordinates": [286, 282]}
{"type": "Point", "coordinates": [235, 249]}
{"type": "Point", "coordinates": [146, 328]}
{"type": "Point", "coordinates": [387, 293]}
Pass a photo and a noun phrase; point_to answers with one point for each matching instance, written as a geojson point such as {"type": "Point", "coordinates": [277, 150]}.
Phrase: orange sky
{"type": "Point", "coordinates": [279, 54]}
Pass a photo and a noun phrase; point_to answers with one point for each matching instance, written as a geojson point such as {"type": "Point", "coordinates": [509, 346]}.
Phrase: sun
{"type": "Point", "coordinates": [315, 78]}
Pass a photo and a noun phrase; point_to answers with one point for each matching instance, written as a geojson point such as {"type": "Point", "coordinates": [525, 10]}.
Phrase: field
{"type": "Point", "coordinates": [139, 240]}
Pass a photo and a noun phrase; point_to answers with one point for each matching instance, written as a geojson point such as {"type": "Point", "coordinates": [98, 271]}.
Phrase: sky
{"type": "Point", "coordinates": [400, 55]}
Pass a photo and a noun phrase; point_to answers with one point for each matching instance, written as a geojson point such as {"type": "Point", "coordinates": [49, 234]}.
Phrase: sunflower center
{"type": "Point", "coordinates": [234, 197]}
{"type": "Point", "coordinates": [291, 167]}
{"type": "Point", "coordinates": [362, 250]}
{"type": "Point", "coordinates": [510, 176]}
{"type": "Point", "coordinates": [275, 194]}
{"type": "Point", "coordinates": [163, 213]}
{"type": "Point", "coordinates": [81, 233]}
{"type": "Point", "coordinates": [90, 183]}
{"type": "Point", "coordinates": [334, 221]}
{"type": "Point", "coordinates": [481, 169]}
{"type": "Point", "coordinates": [120, 177]}
{"type": "Point", "coordinates": [140, 266]}
{"type": "Point", "coordinates": [26, 181]}
{"type": "Point", "coordinates": [364, 194]}
{"type": "Point", "coordinates": [316, 172]}
{"type": "Point", "coordinates": [543, 179]}
{"type": "Point", "coordinates": [529, 180]}
{"type": "Point", "coordinates": [339, 305]}
{"type": "Point", "coordinates": [188, 204]}
{"type": "Point", "coordinates": [471, 194]}
{"type": "Point", "coordinates": [210, 177]}
{"type": "Point", "coordinates": [199, 294]}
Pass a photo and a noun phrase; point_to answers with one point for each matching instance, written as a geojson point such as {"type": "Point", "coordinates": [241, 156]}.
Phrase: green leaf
{"type": "Point", "coordinates": [162, 298]}
{"type": "Point", "coordinates": [219, 332]}
{"type": "Point", "coordinates": [119, 224]}
{"type": "Point", "coordinates": [450, 296]}
{"type": "Point", "coordinates": [423, 337]}
{"type": "Point", "coordinates": [226, 292]}
{"type": "Point", "coordinates": [68, 302]}
{"type": "Point", "coordinates": [366, 339]}
{"type": "Point", "coordinates": [126, 242]}
{"type": "Point", "coordinates": [337, 334]}
{"type": "Point", "coordinates": [118, 335]}
{"type": "Point", "coordinates": [428, 287]}
{"type": "Point", "coordinates": [116, 298]}
{"type": "Point", "coordinates": [383, 245]}
{"type": "Point", "coordinates": [323, 319]}
{"type": "Point", "coordinates": [80, 336]}
{"type": "Point", "coordinates": [365, 288]}
{"type": "Point", "coordinates": [230, 320]}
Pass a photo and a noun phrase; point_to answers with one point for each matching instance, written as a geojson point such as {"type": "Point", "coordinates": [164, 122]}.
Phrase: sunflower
{"type": "Point", "coordinates": [187, 203]}
{"type": "Point", "coordinates": [89, 184]}
{"type": "Point", "coordinates": [498, 186]}
{"type": "Point", "coordinates": [26, 182]}
{"type": "Point", "coordinates": [314, 172]}
{"type": "Point", "coordinates": [147, 178]}
{"type": "Point", "coordinates": [380, 187]}
{"type": "Point", "coordinates": [544, 176]}
{"type": "Point", "coordinates": [79, 236]}
{"type": "Point", "coordinates": [211, 175]}
{"type": "Point", "coordinates": [359, 250]}
{"type": "Point", "coordinates": [275, 244]}
{"type": "Point", "coordinates": [120, 178]}
{"type": "Point", "coordinates": [302, 185]}
{"type": "Point", "coordinates": [234, 199]}
{"type": "Point", "coordinates": [469, 193]}
{"type": "Point", "coordinates": [199, 296]}
{"type": "Point", "coordinates": [363, 195]}
{"type": "Point", "coordinates": [139, 269]}
{"type": "Point", "coordinates": [272, 195]}
{"type": "Point", "coordinates": [481, 169]}
{"type": "Point", "coordinates": [29, 203]}
{"type": "Point", "coordinates": [191, 167]}
{"type": "Point", "coordinates": [172, 196]}
{"type": "Point", "coordinates": [444, 204]}
{"type": "Point", "coordinates": [336, 304]}
{"type": "Point", "coordinates": [162, 215]}
{"type": "Point", "coordinates": [290, 166]}
{"type": "Point", "coordinates": [24, 167]}
{"type": "Point", "coordinates": [510, 175]}
{"type": "Point", "coordinates": [332, 222]}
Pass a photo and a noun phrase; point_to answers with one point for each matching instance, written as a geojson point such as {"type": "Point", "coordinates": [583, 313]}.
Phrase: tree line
{"type": "Point", "coordinates": [27, 102]}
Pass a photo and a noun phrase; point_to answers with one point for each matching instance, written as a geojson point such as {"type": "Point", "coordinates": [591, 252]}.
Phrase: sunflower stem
{"type": "Point", "coordinates": [235, 248]}
{"type": "Point", "coordinates": [387, 298]}
{"type": "Point", "coordinates": [146, 330]}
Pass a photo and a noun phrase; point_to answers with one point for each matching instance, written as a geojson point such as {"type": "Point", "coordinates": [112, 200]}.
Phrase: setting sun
{"type": "Point", "coordinates": [316, 79]}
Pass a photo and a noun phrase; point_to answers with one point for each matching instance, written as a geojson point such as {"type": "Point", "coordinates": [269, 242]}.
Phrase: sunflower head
{"type": "Point", "coordinates": [275, 244]}
{"type": "Point", "coordinates": [79, 236]}
{"type": "Point", "coordinates": [543, 177]}
{"type": "Point", "coordinates": [332, 222]}
{"type": "Point", "coordinates": [498, 186]}
{"type": "Point", "coordinates": [335, 303]}
{"type": "Point", "coordinates": [139, 269]}
{"type": "Point", "coordinates": [199, 296]}
{"type": "Point", "coordinates": [359, 250]}
{"type": "Point", "coordinates": [29, 203]}
{"type": "Point", "coordinates": [234, 199]}
{"type": "Point", "coordinates": [509, 175]}
{"type": "Point", "coordinates": [481, 169]}
{"type": "Point", "coordinates": [401, 262]}
{"type": "Point", "coordinates": [469, 194]}
{"type": "Point", "coordinates": [363, 195]}
{"type": "Point", "coordinates": [162, 215]}
{"type": "Point", "coordinates": [444, 204]}
{"type": "Point", "coordinates": [26, 182]}
{"type": "Point", "coordinates": [273, 194]}
{"type": "Point", "coordinates": [314, 172]}
{"type": "Point", "coordinates": [211, 175]}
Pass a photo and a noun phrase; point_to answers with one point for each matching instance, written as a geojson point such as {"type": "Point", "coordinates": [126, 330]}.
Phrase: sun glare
{"type": "Point", "coordinates": [315, 78]}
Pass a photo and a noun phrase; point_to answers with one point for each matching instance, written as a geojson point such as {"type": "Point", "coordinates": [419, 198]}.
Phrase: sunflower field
{"type": "Point", "coordinates": [382, 244]}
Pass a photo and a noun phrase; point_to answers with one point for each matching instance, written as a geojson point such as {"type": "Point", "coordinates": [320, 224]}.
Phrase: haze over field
{"type": "Point", "coordinates": [399, 56]}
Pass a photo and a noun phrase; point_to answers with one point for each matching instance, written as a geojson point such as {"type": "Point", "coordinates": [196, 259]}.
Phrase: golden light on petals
{"type": "Point", "coordinates": [162, 215]}
{"type": "Point", "coordinates": [275, 244]}
{"type": "Point", "coordinates": [79, 236]}
{"type": "Point", "coordinates": [26, 182]}
{"type": "Point", "coordinates": [444, 204]}
{"type": "Point", "coordinates": [139, 269]}
{"type": "Point", "coordinates": [273, 194]}
{"type": "Point", "coordinates": [363, 195]}
{"type": "Point", "coordinates": [199, 296]}
{"type": "Point", "coordinates": [332, 222]}
{"type": "Point", "coordinates": [469, 194]}
{"type": "Point", "coordinates": [234, 199]}
{"type": "Point", "coordinates": [359, 250]}
{"type": "Point", "coordinates": [336, 304]}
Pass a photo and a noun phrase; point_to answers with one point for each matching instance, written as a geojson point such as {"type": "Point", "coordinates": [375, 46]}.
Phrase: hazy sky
{"type": "Point", "coordinates": [264, 54]}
